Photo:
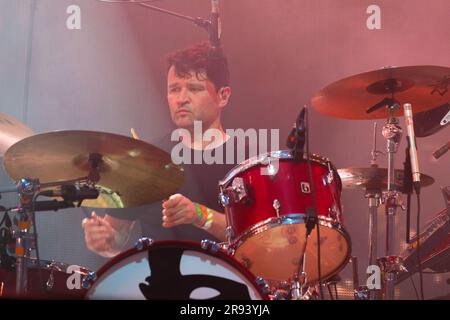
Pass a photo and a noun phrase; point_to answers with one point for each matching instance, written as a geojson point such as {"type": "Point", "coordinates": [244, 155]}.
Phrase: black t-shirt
{"type": "Point", "coordinates": [200, 185]}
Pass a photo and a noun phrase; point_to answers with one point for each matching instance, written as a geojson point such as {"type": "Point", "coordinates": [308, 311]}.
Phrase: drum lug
{"type": "Point", "coordinates": [328, 178]}
{"type": "Point", "coordinates": [143, 243]}
{"type": "Point", "coordinates": [263, 285]}
{"type": "Point", "coordinates": [88, 280]}
{"type": "Point", "coordinates": [229, 233]}
{"type": "Point", "coordinates": [271, 169]}
{"type": "Point", "coordinates": [332, 212]}
{"type": "Point", "coordinates": [210, 245]}
{"type": "Point", "coordinates": [224, 199]}
{"type": "Point", "coordinates": [51, 281]}
{"type": "Point", "coordinates": [238, 189]}
{"type": "Point", "coordinates": [277, 206]}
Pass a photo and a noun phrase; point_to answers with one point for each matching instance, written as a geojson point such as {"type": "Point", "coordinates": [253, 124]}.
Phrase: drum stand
{"type": "Point", "coordinates": [390, 265]}
{"type": "Point", "coordinates": [374, 196]}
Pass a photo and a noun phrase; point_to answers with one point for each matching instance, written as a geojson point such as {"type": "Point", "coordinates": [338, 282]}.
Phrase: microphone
{"type": "Point", "coordinates": [215, 31]}
{"type": "Point", "coordinates": [301, 135]}
{"type": "Point", "coordinates": [441, 151]}
{"type": "Point", "coordinates": [292, 137]}
{"type": "Point", "coordinates": [413, 149]}
{"type": "Point", "coordinates": [297, 137]}
{"type": "Point", "coordinates": [72, 193]}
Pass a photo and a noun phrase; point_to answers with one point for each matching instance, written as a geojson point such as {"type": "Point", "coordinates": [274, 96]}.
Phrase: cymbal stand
{"type": "Point", "coordinates": [24, 239]}
{"type": "Point", "coordinates": [392, 132]}
{"type": "Point", "coordinates": [374, 196]}
{"type": "Point", "coordinates": [27, 190]}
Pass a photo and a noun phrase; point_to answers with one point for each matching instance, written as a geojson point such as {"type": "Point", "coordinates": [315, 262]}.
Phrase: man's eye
{"type": "Point", "coordinates": [174, 90]}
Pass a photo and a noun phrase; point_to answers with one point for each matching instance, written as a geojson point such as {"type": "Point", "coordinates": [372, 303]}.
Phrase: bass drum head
{"type": "Point", "coordinates": [174, 270]}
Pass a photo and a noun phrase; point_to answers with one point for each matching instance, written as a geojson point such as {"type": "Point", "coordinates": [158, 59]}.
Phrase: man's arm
{"type": "Point", "coordinates": [180, 210]}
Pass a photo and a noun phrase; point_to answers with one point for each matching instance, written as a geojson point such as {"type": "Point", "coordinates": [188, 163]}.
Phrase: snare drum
{"type": "Point", "coordinates": [266, 199]}
{"type": "Point", "coordinates": [174, 270]}
{"type": "Point", "coordinates": [60, 280]}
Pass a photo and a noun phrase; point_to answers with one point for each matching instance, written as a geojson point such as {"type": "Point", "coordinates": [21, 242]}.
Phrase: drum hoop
{"type": "Point", "coordinates": [254, 161]}
{"type": "Point", "coordinates": [294, 219]}
{"type": "Point", "coordinates": [187, 246]}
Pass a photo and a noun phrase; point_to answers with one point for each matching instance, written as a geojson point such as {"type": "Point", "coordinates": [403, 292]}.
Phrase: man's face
{"type": "Point", "coordinates": [192, 99]}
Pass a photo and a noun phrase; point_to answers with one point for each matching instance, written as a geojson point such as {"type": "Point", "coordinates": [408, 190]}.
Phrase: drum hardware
{"type": "Point", "coordinates": [239, 191]}
{"type": "Point", "coordinates": [88, 280]}
{"type": "Point", "coordinates": [391, 267]}
{"type": "Point", "coordinates": [359, 292]}
{"type": "Point", "coordinates": [143, 243]}
{"type": "Point", "coordinates": [276, 205]}
{"type": "Point", "coordinates": [263, 285]}
{"type": "Point", "coordinates": [210, 246]}
{"type": "Point", "coordinates": [358, 97]}
{"type": "Point", "coordinates": [26, 241]}
{"type": "Point", "coordinates": [229, 233]}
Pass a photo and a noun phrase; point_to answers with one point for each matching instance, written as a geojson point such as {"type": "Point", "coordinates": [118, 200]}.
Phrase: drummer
{"type": "Point", "coordinates": [197, 90]}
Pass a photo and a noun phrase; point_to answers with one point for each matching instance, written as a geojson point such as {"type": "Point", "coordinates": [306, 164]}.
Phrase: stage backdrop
{"type": "Point", "coordinates": [85, 64]}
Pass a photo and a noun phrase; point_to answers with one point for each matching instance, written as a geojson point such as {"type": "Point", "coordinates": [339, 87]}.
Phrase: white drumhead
{"type": "Point", "coordinates": [130, 277]}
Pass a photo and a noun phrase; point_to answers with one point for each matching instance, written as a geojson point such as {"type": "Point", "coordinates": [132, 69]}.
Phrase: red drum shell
{"type": "Point", "coordinates": [267, 222]}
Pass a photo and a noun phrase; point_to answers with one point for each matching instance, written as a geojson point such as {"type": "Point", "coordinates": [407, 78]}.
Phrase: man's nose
{"type": "Point", "coordinates": [183, 97]}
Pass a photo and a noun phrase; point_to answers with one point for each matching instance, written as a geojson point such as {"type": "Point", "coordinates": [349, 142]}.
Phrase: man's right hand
{"type": "Point", "coordinates": [101, 237]}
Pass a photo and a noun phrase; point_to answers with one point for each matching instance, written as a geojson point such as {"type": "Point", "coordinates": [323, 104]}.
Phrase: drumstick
{"type": "Point", "coordinates": [134, 134]}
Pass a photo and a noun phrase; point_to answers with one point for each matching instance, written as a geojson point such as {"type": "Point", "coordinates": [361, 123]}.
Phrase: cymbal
{"type": "Point", "coordinates": [374, 178]}
{"type": "Point", "coordinates": [11, 131]}
{"type": "Point", "coordinates": [131, 172]}
{"type": "Point", "coordinates": [425, 87]}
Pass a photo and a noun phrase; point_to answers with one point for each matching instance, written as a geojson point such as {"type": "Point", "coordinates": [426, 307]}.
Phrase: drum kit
{"type": "Point", "coordinates": [271, 251]}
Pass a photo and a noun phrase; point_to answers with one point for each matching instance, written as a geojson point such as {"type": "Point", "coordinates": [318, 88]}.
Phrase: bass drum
{"type": "Point", "coordinates": [174, 270]}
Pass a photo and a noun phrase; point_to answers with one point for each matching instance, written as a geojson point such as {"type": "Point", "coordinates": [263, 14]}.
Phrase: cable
{"type": "Point", "coordinates": [336, 291]}
{"type": "Point", "coordinates": [414, 286]}
{"type": "Point", "coordinates": [313, 194]}
{"type": "Point", "coordinates": [329, 292]}
{"type": "Point", "coordinates": [419, 262]}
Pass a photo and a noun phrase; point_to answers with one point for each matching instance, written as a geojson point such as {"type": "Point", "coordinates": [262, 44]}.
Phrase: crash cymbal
{"type": "Point", "coordinates": [425, 87]}
{"type": "Point", "coordinates": [374, 178]}
{"type": "Point", "coordinates": [11, 131]}
{"type": "Point", "coordinates": [132, 172]}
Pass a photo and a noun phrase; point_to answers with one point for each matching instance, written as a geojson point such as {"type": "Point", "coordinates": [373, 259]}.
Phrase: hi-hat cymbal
{"type": "Point", "coordinates": [11, 131]}
{"type": "Point", "coordinates": [374, 178]}
{"type": "Point", "coordinates": [132, 172]}
{"type": "Point", "coordinates": [425, 87]}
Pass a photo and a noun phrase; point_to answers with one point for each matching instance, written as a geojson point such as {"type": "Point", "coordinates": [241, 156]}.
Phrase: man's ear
{"type": "Point", "coordinates": [224, 96]}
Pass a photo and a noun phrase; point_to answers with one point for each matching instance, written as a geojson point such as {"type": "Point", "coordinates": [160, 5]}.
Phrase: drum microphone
{"type": "Point", "coordinates": [297, 137]}
{"type": "Point", "coordinates": [72, 193]}
{"type": "Point", "coordinates": [413, 149]}
{"type": "Point", "coordinates": [441, 151]}
{"type": "Point", "coordinates": [215, 31]}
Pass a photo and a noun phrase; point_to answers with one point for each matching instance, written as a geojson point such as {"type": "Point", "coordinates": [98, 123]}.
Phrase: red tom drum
{"type": "Point", "coordinates": [266, 202]}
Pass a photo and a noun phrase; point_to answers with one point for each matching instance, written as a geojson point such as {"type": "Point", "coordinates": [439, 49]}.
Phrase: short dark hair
{"type": "Point", "coordinates": [201, 58]}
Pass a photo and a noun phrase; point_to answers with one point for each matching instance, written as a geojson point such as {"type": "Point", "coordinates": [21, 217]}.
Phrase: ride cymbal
{"type": "Point", "coordinates": [130, 172]}
{"type": "Point", "coordinates": [424, 87]}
